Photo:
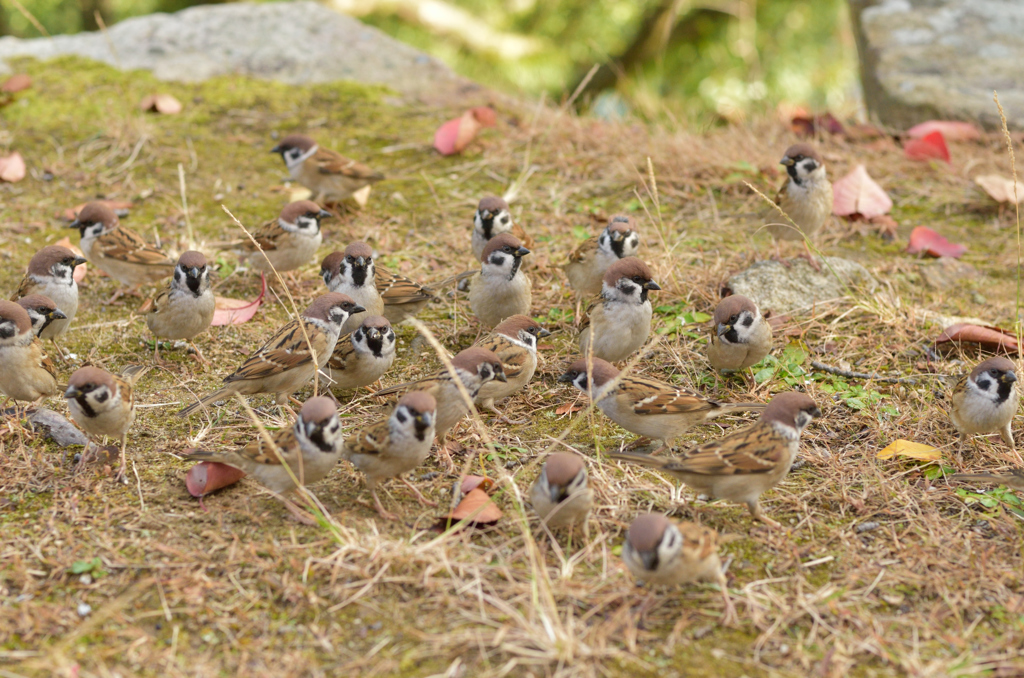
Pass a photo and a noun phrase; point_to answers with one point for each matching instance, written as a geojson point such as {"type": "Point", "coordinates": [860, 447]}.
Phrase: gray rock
{"type": "Point", "coordinates": [941, 59]}
{"type": "Point", "coordinates": [946, 272]}
{"type": "Point", "coordinates": [56, 427]}
{"type": "Point", "coordinates": [780, 289]}
{"type": "Point", "coordinates": [293, 42]}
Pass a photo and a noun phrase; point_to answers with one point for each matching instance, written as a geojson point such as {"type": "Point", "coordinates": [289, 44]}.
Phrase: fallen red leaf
{"type": "Point", "coordinates": [454, 135]}
{"type": "Point", "coordinates": [238, 311]}
{"type": "Point", "coordinates": [805, 125]}
{"type": "Point", "coordinates": [12, 168]}
{"type": "Point", "coordinates": [931, 146]}
{"type": "Point", "coordinates": [80, 270]}
{"type": "Point", "coordinates": [924, 239]}
{"type": "Point", "coordinates": [161, 103]}
{"type": "Point", "coordinates": [950, 129]}
{"type": "Point", "coordinates": [476, 508]}
{"type": "Point", "coordinates": [16, 83]}
{"type": "Point", "coordinates": [858, 193]}
{"type": "Point", "coordinates": [120, 208]}
{"type": "Point", "coordinates": [210, 476]}
{"type": "Point", "coordinates": [992, 338]}
{"type": "Point", "coordinates": [470, 483]}
{"type": "Point", "coordinates": [567, 407]}
{"type": "Point", "coordinates": [1000, 188]}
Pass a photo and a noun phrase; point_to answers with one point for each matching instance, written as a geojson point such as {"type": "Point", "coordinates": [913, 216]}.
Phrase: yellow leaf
{"type": "Point", "coordinates": [906, 448]}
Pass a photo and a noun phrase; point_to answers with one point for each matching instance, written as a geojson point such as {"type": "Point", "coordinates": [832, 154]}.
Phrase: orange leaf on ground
{"type": "Point", "coordinates": [992, 338]}
{"type": "Point", "coordinates": [566, 408]}
{"type": "Point", "coordinates": [931, 146]}
{"type": "Point", "coordinates": [911, 450]}
{"type": "Point", "coordinates": [161, 103]}
{"type": "Point", "coordinates": [453, 136]}
{"type": "Point", "coordinates": [12, 168]}
{"type": "Point", "coordinates": [80, 270]}
{"type": "Point", "coordinates": [210, 476]}
{"type": "Point", "coordinates": [1000, 188]}
{"type": "Point", "coordinates": [238, 311]}
{"type": "Point", "coordinates": [476, 508]}
{"type": "Point", "coordinates": [858, 193]}
{"type": "Point", "coordinates": [950, 129]}
{"type": "Point", "coordinates": [16, 83]}
{"type": "Point", "coordinates": [120, 208]}
{"type": "Point", "coordinates": [470, 483]}
{"type": "Point", "coordinates": [924, 239]}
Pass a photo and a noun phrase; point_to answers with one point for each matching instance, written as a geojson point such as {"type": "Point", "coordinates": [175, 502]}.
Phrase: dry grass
{"type": "Point", "coordinates": [880, 571]}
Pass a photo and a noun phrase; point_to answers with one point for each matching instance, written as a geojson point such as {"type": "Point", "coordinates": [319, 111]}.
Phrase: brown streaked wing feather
{"type": "Point", "coordinates": [267, 235]}
{"type": "Point", "coordinates": [752, 450]}
{"type": "Point", "coordinates": [44, 360]}
{"type": "Point", "coordinates": [428, 384]}
{"type": "Point", "coordinates": [343, 352]}
{"type": "Point", "coordinates": [260, 452]}
{"type": "Point", "coordinates": [329, 162]}
{"type": "Point", "coordinates": [650, 397]}
{"type": "Point", "coordinates": [155, 304]}
{"type": "Point", "coordinates": [522, 235]}
{"type": "Point", "coordinates": [129, 246]}
{"type": "Point", "coordinates": [584, 251]}
{"type": "Point", "coordinates": [23, 289]}
{"type": "Point", "coordinates": [286, 350]}
{"type": "Point", "coordinates": [396, 289]}
{"type": "Point", "coordinates": [589, 313]}
{"type": "Point", "coordinates": [513, 360]}
{"type": "Point", "coordinates": [370, 440]}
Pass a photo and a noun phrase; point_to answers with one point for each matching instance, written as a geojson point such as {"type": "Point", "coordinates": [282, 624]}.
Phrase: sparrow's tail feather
{"type": "Point", "coordinates": [644, 459]}
{"type": "Point", "coordinates": [742, 407]}
{"type": "Point", "coordinates": [455, 279]}
{"type": "Point", "coordinates": [978, 476]}
{"type": "Point", "coordinates": [134, 372]}
{"type": "Point", "coordinates": [219, 394]}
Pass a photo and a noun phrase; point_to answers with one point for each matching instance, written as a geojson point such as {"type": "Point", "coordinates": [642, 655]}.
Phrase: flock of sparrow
{"type": "Point", "coordinates": [346, 334]}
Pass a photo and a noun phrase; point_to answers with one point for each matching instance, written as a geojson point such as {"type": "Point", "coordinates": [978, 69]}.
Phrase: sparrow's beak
{"type": "Point", "coordinates": [556, 494]}
{"type": "Point", "coordinates": [500, 376]}
{"type": "Point", "coordinates": [77, 262]}
{"type": "Point", "coordinates": [361, 262]}
{"type": "Point", "coordinates": [787, 161]}
{"type": "Point", "coordinates": [75, 224]}
{"type": "Point", "coordinates": [649, 559]}
{"type": "Point", "coordinates": [486, 214]}
{"type": "Point", "coordinates": [56, 314]}
{"type": "Point", "coordinates": [422, 419]}
{"type": "Point", "coordinates": [565, 378]}
{"type": "Point", "coordinates": [72, 392]}
{"type": "Point", "coordinates": [651, 285]}
{"type": "Point", "coordinates": [324, 214]}
{"type": "Point", "coordinates": [277, 149]}
{"type": "Point", "coordinates": [372, 333]}
{"type": "Point", "coordinates": [543, 333]}
{"type": "Point", "coordinates": [724, 329]}
{"type": "Point", "coordinates": [194, 272]}
{"type": "Point", "coordinates": [522, 251]}
{"type": "Point", "coordinates": [816, 412]}
{"type": "Point", "coordinates": [357, 309]}
{"type": "Point", "coordinates": [1008, 378]}
{"type": "Point", "coordinates": [618, 236]}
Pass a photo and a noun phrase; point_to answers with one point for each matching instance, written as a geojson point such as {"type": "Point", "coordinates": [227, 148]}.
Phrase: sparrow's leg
{"type": "Point", "coordinates": [156, 355]}
{"type": "Point", "coordinates": [121, 476]}
{"type": "Point", "coordinates": [419, 495]}
{"type": "Point", "coordinates": [729, 618]}
{"type": "Point", "coordinates": [489, 405]}
{"type": "Point", "coordinates": [755, 510]}
{"type": "Point", "coordinates": [198, 354]}
{"type": "Point", "coordinates": [444, 456]}
{"type": "Point", "coordinates": [60, 351]}
{"type": "Point", "coordinates": [810, 257]}
{"type": "Point", "coordinates": [386, 515]}
{"type": "Point", "coordinates": [304, 517]}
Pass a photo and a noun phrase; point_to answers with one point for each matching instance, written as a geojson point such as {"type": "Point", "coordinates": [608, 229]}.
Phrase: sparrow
{"type": "Point", "coordinates": [806, 197]}
{"type": "Point", "coordinates": [118, 251]}
{"type": "Point", "coordinates": [329, 175]}
{"type": "Point", "coordinates": [288, 242]}
{"type": "Point", "coordinates": [592, 258]}
{"type": "Point", "coordinates": [561, 495]}
{"type": "Point", "coordinates": [743, 464]}
{"type": "Point", "coordinates": [352, 272]}
{"type": "Point", "coordinates": [647, 407]}
{"type": "Point", "coordinates": [395, 445]}
{"type": "Point", "coordinates": [51, 274]}
{"type": "Point", "coordinates": [493, 218]}
{"type": "Point", "coordinates": [474, 367]}
{"type": "Point", "coordinates": [619, 321]}
{"type": "Point", "coordinates": [300, 455]}
{"type": "Point", "coordinates": [26, 374]}
{"type": "Point", "coordinates": [514, 341]}
{"type": "Point", "coordinates": [500, 289]}
{"type": "Point", "coordinates": [985, 400]}
{"type": "Point", "coordinates": [285, 363]}
{"type": "Point", "coordinates": [185, 309]}
{"type": "Point", "coordinates": [103, 404]}
{"type": "Point", "coordinates": [662, 553]}
{"type": "Point", "coordinates": [1014, 479]}
{"type": "Point", "coordinates": [362, 357]}
{"type": "Point", "coordinates": [41, 311]}
{"type": "Point", "coordinates": [741, 337]}
{"type": "Point", "coordinates": [397, 296]}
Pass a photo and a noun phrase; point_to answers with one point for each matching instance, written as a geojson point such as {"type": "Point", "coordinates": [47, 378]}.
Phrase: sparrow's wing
{"type": "Point", "coordinates": [514, 359]}
{"type": "Point", "coordinates": [523, 236]}
{"type": "Point", "coordinates": [584, 252]}
{"type": "Point", "coordinates": [370, 440]}
{"type": "Point", "coordinates": [329, 162]}
{"type": "Point", "coordinates": [268, 235]}
{"type": "Point", "coordinates": [703, 539]}
{"type": "Point", "coordinates": [344, 351]}
{"type": "Point", "coordinates": [44, 360]}
{"type": "Point", "coordinates": [396, 289]}
{"type": "Point", "coordinates": [595, 308]}
{"type": "Point", "coordinates": [648, 396]}
{"type": "Point", "coordinates": [24, 289]}
{"type": "Point", "coordinates": [154, 304]}
{"type": "Point", "coordinates": [285, 351]}
{"type": "Point", "coordinates": [128, 246]}
{"type": "Point", "coordinates": [428, 384]}
{"type": "Point", "coordinates": [754, 449]}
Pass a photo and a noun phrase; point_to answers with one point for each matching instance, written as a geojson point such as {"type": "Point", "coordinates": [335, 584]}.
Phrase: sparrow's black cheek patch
{"type": "Point", "coordinates": [400, 416]}
{"type": "Point", "coordinates": [983, 384]}
{"type": "Point", "coordinates": [498, 259]}
{"type": "Point", "coordinates": [748, 321]}
{"type": "Point", "coordinates": [627, 287]}
{"type": "Point", "coordinates": [7, 330]}
{"type": "Point", "coordinates": [102, 396]}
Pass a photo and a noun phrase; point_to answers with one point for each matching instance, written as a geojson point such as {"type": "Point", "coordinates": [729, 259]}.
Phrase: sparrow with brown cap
{"type": "Point", "coordinates": [51, 273]}
{"type": "Point", "coordinates": [619, 321]}
{"type": "Point", "coordinates": [329, 175]}
{"type": "Point", "coordinates": [561, 495]}
{"type": "Point", "coordinates": [185, 309]}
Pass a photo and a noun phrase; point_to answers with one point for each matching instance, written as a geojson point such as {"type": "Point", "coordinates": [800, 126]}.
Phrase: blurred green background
{"type": "Point", "coordinates": [662, 60]}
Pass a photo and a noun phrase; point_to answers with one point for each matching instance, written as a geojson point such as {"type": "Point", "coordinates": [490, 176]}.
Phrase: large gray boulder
{"type": "Point", "coordinates": [293, 42]}
{"type": "Point", "coordinates": [796, 287]}
{"type": "Point", "coordinates": [941, 59]}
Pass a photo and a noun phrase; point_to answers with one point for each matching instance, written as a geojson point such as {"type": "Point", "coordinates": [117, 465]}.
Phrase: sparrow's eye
{"type": "Point", "coordinates": [638, 279]}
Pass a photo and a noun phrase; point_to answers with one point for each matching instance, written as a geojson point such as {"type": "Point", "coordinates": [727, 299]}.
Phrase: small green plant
{"type": "Point", "coordinates": [675, 317]}
{"type": "Point", "coordinates": [92, 567]}
{"type": "Point", "coordinates": [788, 366]}
{"type": "Point", "coordinates": [854, 396]}
{"type": "Point", "coordinates": [999, 496]}
{"type": "Point", "coordinates": [556, 315]}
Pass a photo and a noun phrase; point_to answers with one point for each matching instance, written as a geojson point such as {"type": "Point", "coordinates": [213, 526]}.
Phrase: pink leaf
{"type": "Point", "coordinates": [857, 193]}
{"type": "Point", "coordinates": [924, 239]}
{"type": "Point", "coordinates": [80, 270]}
{"type": "Point", "coordinates": [952, 130]}
{"type": "Point", "coordinates": [210, 476]}
{"type": "Point", "coordinates": [994, 338]}
{"type": "Point", "coordinates": [931, 146]}
{"type": "Point", "coordinates": [237, 311]}
{"type": "Point", "coordinates": [1001, 189]}
{"type": "Point", "coordinates": [453, 136]}
{"type": "Point", "coordinates": [161, 103]}
{"type": "Point", "coordinates": [16, 83]}
{"type": "Point", "coordinates": [12, 168]}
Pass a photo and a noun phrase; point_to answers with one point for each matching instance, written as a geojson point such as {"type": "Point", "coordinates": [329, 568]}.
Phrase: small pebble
{"type": "Point", "coordinates": [84, 609]}
{"type": "Point", "coordinates": [85, 579]}
{"type": "Point", "coordinates": [867, 527]}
